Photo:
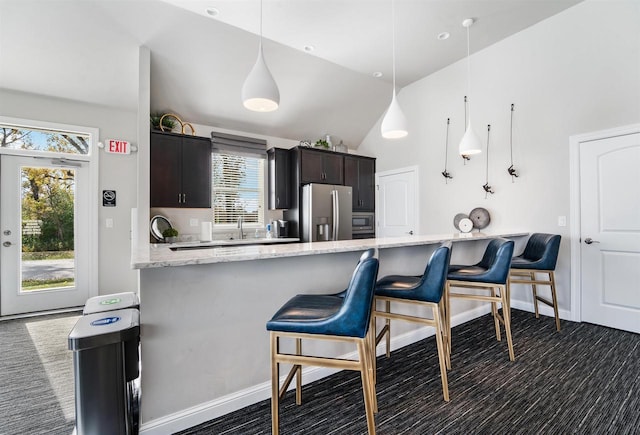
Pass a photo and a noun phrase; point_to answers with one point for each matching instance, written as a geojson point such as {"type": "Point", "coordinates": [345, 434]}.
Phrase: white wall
{"type": "Point", "coordinates": [576, 72]}
{"type": "Point", "coordinates": [117, 172]}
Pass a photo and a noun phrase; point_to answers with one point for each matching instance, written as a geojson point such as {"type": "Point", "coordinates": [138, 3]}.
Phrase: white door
{"type": "Point", "coordinates": [44, 219]}
{"type": "Point", "coordinates": [610, 231]}
{"type": "Point", "coordinates": [397, 202]}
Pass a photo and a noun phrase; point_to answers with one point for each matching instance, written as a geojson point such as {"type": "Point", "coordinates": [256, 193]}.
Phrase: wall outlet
{"type": "Point", "coordinates": [562, 221]}
{"type": "Point", "coordinates": [193, 222]}
{"type": "Point", "coordinates": [108, 222]}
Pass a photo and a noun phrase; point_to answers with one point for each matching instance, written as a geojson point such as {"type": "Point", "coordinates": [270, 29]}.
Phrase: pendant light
{"type": "Point", "coordinates": [260, 92]}
{"type": "Point", "coordinates": [470, 143]}
{"type": "Point", "coordinates": [394, 124]}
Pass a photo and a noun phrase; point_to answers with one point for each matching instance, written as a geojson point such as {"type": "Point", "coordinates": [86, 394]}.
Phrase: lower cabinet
{"type": "Point", "coordinates": [180, 171]}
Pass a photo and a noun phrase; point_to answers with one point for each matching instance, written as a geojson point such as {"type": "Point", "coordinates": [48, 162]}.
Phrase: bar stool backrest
{"type": "Point", "coordinates": [543, 249]}
{"type": "Point", "coordinates": [353, 318]}
{"type": "Point", "coordinates": [497, 260]}
{"type": "Point", "coordinates": [435, 275]}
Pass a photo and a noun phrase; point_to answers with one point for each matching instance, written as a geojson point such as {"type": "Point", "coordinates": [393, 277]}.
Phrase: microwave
{"type": "Point", "coordinates": [363, 223]}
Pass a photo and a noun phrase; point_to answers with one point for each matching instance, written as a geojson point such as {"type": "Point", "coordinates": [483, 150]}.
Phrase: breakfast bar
{"type": "Point", "coordinates": [204, 347]}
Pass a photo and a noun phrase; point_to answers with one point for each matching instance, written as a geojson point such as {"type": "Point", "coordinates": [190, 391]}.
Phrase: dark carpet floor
{"type": "Point", "coordinates": [582, 380]}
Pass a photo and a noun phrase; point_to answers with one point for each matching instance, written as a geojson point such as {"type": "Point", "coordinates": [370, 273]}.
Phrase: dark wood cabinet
{"type": "Point", "coordinates": [280, 183]}
{"type": "Point", "coordinates": [318, 166]}
{"type": "Point", "coordinates": [180, 171]}
{"type": "Point", "coordinates": [359, 173]}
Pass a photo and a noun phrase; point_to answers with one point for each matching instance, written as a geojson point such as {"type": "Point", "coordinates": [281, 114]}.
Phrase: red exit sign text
{"type": "Point", "coordinates": [117, 146]}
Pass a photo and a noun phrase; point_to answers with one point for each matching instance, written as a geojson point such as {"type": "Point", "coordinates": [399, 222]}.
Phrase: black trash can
{"type": "Point", "coordinates": [106, 403]}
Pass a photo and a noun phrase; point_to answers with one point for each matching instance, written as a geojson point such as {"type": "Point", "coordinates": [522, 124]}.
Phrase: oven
{"type": "Point", "coordinates": [363, 225]}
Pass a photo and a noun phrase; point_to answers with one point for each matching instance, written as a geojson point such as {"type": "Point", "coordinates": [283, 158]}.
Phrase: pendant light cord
{"type": "Point", "coordinates": [487, 167]}
{"type": "Point", "coordinates": [468, 71]}
{"type": "Point", "coordinates": [260, 25]}
{"type": "Point", "coordinates": [393, 43]}
{"type": "Point", "coordinates": [511, 136]}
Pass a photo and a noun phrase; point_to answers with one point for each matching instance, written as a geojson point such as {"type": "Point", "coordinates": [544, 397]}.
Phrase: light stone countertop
{"type": "Point", "coordinates": [152, 256]}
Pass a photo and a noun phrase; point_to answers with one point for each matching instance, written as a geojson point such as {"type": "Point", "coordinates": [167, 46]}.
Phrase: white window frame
{"type": "Point", "coordinates": [262, 213]}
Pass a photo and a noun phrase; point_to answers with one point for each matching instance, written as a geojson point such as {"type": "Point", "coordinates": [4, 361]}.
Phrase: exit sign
{"type": "Point", "coordinates": [114, 146]}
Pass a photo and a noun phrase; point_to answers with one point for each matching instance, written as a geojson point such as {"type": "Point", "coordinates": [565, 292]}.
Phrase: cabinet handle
{"type": "Point", "coordinates": [179, 198]}
{"type": "Point", "coordinates": [184, 198]}
{"type": "Point", "coordinates": [278, 200]}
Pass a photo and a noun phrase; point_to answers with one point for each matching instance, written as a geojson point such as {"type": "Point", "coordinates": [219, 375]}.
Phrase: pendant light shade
{"type": "Point", "coordinates": [470, 143]}
{"type": "Point", "coordinates": [394, 123]}
{"type": "Point", "coordinates": [260, 92]}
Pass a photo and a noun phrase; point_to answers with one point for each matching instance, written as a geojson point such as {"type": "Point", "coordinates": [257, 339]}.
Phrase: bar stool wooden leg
{"type": "Point", "coordinates": [275, 387]}
{"type": "Point", "coordinates": [387, 307]}
{"type": "Point", "coordinates": [506, 315]}
{"type": "Point", "coordinates": [554, 298]}
{"type": "Point", "coordinates": [534, 290]}
{"type": "Point", "coordinates": [447, 322]}
{"type": "Point", "coordinates": [366, 387]}
{"type": "Point", "coordinates": [441, 353]}
{"type": "Point", "coordinates": [299, 373]}
{"type": "Point", "coordinates": [496, 318]}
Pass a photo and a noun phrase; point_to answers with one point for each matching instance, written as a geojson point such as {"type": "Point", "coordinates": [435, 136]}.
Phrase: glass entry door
{"type": "Point", "coordinates": [44, 233]}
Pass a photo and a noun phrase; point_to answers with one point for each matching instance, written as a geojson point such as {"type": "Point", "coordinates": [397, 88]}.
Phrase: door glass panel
{"type": "Point", "coordinates": [47, 212]}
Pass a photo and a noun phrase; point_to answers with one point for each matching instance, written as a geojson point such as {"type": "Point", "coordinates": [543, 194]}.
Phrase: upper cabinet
{"type": "Point", "coordinates": [180, 171]}
{"type": "Point", "coordinates": [279, 178]}
{"type": "Point", "coordinates": [318, 166]}
{"type": "Point", "coordinates": [359, 173]}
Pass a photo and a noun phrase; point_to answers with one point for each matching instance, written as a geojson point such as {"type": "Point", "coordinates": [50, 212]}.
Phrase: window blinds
{"type": "Point", "coordinates": [239, 145]}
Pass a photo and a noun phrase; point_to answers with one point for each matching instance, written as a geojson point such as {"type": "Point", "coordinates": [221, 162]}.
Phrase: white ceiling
{"type": "Point", "coordinates": [87, 50]}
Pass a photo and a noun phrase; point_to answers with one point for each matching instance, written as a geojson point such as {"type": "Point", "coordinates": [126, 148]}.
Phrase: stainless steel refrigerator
{"type": "Point", "coordinates": [326, 212]}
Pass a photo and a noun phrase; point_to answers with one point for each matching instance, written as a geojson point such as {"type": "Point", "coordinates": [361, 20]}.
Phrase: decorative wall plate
{"type": "Point", "coordinates": [480, 217]}
{"type": "Point", "coordinates": [457, 219]}
{"type": "Point", "coordinates": [465, 225]}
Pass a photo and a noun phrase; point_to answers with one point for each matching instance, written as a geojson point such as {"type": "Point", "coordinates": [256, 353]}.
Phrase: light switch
{"type": "Point", "coordinates": [108, 223]}
{"type": "Point", "coordinates": [193, 222]}
{"type": "Point", "coordinates": [562, 221]}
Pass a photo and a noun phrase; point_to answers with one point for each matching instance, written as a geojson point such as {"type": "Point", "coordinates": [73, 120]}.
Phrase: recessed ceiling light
{"type": "Point", "coordinates": [309, 48]}
{"type": "Point", "coordinates": [444, 35]}
{"type": "Point", "coordinates": [212, 12]}
{"type": "Point", "coordinates": [377, 74]}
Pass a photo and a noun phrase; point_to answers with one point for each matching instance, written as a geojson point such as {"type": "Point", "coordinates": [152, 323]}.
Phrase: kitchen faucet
{"type": "Point", "coordinates": [241, 232]}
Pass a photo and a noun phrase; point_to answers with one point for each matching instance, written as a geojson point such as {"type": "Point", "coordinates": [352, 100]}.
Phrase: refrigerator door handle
{"type": "Point", "coordinates": [336, 214]}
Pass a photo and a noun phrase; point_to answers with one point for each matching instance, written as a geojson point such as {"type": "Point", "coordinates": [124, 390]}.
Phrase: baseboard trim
{"type": "Point", "coordinates": [543, 309]}
{"type": "Point", "coordinates": [232, 402]}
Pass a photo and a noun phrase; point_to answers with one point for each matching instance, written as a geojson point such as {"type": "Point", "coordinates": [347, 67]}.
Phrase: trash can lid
{"type": "Point", "coordinates": [101, 329]}
{"type": "Point", "coordinates": [116, 301]}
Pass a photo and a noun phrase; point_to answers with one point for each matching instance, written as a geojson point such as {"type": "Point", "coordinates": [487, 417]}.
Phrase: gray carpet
{"type": "Point", "coordinates": [585, 379]}
{"type": "Point", "coordinates": [36, 376]}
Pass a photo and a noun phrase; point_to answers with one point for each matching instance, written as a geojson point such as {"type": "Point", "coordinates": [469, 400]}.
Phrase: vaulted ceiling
{"type": "Point", "coordinates": [87, 50]}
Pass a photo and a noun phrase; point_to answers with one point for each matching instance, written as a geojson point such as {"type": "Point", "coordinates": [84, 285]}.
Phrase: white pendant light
{"type": "Point", "coordinates": [394, 123]}
{"type": "Point", "coordinates": [260, 92]}
{"type": "Point", "coordinates": [470, 143]}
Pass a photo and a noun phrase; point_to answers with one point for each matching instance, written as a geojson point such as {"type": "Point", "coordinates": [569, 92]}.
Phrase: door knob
{"type": "Point", "coordinates": [7, 232]}
{"type": "Point", "coordinates": [6, 244]}
{"type": "Point", "coordinates": [589, 241]}
{"type": "Point", "coordinates": [410, 233]}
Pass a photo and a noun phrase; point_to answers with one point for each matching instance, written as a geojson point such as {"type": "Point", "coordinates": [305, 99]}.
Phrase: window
{"type": "Point", "coordinates": [20, 138]}
{"type": "Point", "coordinates": [238, 189]}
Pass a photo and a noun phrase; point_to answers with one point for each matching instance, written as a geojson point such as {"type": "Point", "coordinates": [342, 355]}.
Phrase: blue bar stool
{"type": "Point", "coordinates": [539, 256]}
{"type": "Point", "coordinates": [491, 273]}
{"type": "Point", "coordinates": [328, 317]}
{"type": "Point", "coordinates": [425, 290]}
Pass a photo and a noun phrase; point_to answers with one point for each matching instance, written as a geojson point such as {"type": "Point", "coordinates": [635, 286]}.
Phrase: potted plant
{"type": "Point", "coordinates": [321, 143]}
{"type": "Point", "coordinates": [170, 235]}
{"type": "Point", "coordinates": [168, 123]}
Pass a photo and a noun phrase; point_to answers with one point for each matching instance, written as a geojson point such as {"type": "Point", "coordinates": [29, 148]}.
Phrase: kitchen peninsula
{"type": "Point", "coordinates": [204, 346]}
